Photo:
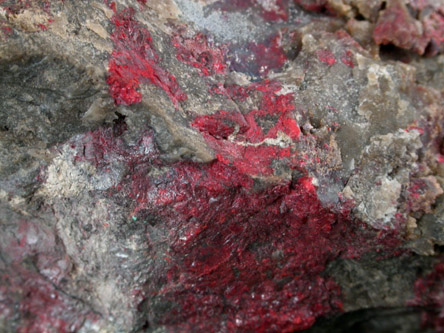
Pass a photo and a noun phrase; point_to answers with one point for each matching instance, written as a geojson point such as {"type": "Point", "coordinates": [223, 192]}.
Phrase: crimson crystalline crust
{"type": "Point", "coordinates": [231, 264]}
{"type": "Point", "coordinates": [221, 166]}
{"type": "Point", "coordinates": [134, 61]}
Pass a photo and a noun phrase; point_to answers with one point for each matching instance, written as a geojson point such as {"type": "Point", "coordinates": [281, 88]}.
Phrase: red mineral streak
{"type": "Point", "coordinates": [104, 145]}
{"type": "Point", "coordinates": [247, 150]}
{"type": "Point", "coordinates": [230, 91]}
{"type": "Point", "coordinates": [429, 291]}
{"type": "Point", "coordinates": [416, 191]}
{"type": "Point", "coordinates": [200, 53]}
{"type": "Point", "coordinates": [135, 61]}
{"type": "Point", "coordinates": [415, 128]}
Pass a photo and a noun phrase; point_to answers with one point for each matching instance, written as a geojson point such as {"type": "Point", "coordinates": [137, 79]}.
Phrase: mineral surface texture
{"type": "Point", "coordinates": [221, 166]}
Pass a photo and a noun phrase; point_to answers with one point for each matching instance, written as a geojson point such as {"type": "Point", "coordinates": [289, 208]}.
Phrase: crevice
{"type": "Point", "coordinates": [391, 52]}
{"type": "Point", "coordinates": [438, 249]}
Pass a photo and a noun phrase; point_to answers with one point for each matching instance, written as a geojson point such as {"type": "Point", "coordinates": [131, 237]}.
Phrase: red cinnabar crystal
{"type": "Point", "coordinates": [134, 61]}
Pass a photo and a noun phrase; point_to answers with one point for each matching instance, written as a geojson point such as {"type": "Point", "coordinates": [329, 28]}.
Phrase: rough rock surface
{"type": "Point", "coordinates": [221, 165]}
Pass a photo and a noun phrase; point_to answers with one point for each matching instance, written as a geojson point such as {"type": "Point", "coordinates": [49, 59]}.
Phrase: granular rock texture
{"type": "Point", "coordinates": [221, 166]}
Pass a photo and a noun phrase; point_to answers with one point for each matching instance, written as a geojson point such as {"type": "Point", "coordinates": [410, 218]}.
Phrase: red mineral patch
{"type": "Point", "coordinates": [5, 30]}
{"type": "Point", "coordinates": [17, 6]}
{"type": "Point", "coordinates": [429, 291]}
{"type": "Point", "coordinates": [230, 91]}
{"type": "Point", "coordinates": [326, 56]}
{"type": "Point", "coordinates": [32, 290]}
{"type": "Point", "coordinates": [196, 51]}
{"type": "Point", "coordinates": [347, 59]}
{"type": "Point", "coordinates": [134, 61]}
{"type": "Point", "coordinates": [423, 35]}
{"type": "Point", "coordinates": [396, 26]}
{"type": "Point", "coordinates": [434, 31]}
{"type": "Point", "coordinates": [243, 259]}
{"type": "Point", "coordinates": [248, 150]}
{"type": "Point", "coordinates": [239, 255]}
{"type": "Point", "coordinates": [258, 59]}
{"type": "Point", "coordinates": [274, 10]}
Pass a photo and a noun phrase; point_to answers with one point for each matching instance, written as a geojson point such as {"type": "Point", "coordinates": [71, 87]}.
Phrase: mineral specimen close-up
{"type": "Point", "coordinates": [221, 166]}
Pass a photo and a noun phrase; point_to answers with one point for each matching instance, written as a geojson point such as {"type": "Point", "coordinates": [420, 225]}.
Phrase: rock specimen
{"type": "Point", "coordinates": [221, 165]}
